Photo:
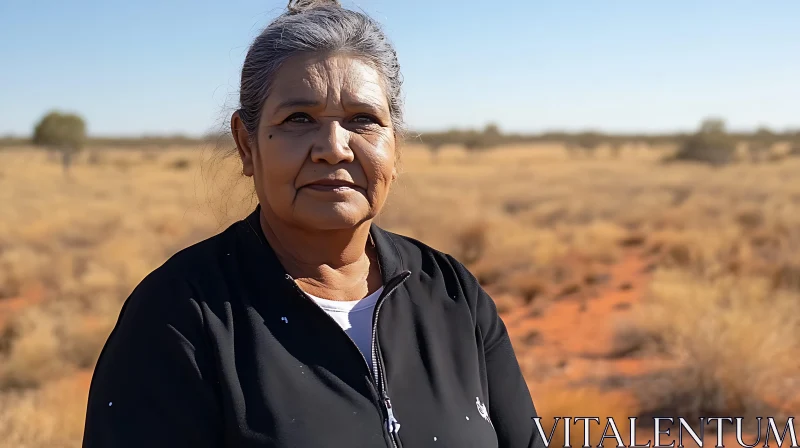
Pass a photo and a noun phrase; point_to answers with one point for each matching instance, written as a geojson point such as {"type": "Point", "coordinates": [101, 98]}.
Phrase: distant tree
{"type": "Point", "coordinates": [492, 134]}
{"type": "Point", "coordinates": [765, 134]}
{"type": "Point", "coordinates": [489, 137]}
{"type": "Point", "coordinates": [712, 126]}
{"type": "Point", "coordinates": [711, 144]}
{"type": "Point", "coordinates": [589, 141]}
{"type": "Point", "coordinates": [63, 133]}
{"type": "Point", "coordinates": [761, 143]}
{"type": "Point", "coordinates": [473, 142]}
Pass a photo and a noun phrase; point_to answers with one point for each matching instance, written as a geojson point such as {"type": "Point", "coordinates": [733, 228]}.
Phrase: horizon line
{"type": "Point", "coordinates": [413, 132]}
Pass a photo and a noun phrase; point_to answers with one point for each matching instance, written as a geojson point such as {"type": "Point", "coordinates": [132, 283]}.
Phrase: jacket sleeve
{"type": "Point", "coordinates": [152, 385]}
{"type": "Point", "coordinates": [510, 406]}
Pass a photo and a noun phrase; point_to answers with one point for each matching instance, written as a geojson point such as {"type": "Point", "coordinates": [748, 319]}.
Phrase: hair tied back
{"type": "Point", "coordinates": [300, 6]}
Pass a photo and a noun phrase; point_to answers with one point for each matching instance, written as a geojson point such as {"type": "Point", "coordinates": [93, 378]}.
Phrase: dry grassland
{"type": "Point", "coordinates": [719, 250]}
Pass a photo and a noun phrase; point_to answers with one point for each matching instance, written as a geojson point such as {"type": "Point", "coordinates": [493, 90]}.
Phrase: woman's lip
{"type": "Point", "coordinates": [338, 186]}
{"type": "Point", "coordinates": [332, 183]}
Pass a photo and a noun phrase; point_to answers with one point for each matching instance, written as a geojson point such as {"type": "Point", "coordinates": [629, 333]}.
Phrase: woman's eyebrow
{"type": "Point", "coordinates": [372, 106]}
{"type": "Point", "coordinates": [294, 103]}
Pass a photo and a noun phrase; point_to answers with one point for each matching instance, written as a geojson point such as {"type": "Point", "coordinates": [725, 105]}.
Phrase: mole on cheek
{"type": "Point", "coordinates": [270, 136]}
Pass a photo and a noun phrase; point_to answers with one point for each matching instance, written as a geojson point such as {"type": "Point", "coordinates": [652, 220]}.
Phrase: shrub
{"type": "Point", "coordinates": [471, 243]}
{"type": "Point", "coordinates": [31, 355]}
{"type": "Point", "coordinates": [711, 144]}
{"type": "Point", "coordinates": [589, 141]}
{"type": "Point", "coordinates": [180, 164]}
{"type": "Point", "coordinates": [724, 366]}
{"type": "Point", "coordinates": [760, 145]}
{"type": "Point", "coordinates": [528, 285]}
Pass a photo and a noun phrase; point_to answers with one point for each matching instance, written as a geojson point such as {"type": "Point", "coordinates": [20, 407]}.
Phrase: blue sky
{"type": "Point", "coordinates": [171, 67]}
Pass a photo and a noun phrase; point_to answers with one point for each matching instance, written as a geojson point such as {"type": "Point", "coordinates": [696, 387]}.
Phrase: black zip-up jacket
{"type": "Point", "coordinates": [218, 347]}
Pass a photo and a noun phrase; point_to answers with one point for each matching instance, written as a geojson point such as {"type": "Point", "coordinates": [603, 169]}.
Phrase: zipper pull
{"type": "Point", "coordinates": [391, 423]}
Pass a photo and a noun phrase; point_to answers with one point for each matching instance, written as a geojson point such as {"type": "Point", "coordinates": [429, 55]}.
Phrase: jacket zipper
{"type": "Point", "coordinates": [392, 425]}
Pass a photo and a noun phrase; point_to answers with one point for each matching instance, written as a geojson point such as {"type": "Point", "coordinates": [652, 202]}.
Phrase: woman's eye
{"type": "Point", "coordinates": [298, 117]}
{"type": "Point", "coordinates": [366, 119]}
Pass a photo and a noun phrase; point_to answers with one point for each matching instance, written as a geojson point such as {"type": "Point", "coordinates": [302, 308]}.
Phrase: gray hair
{"type": "Point", "coordinates": [316, 26]}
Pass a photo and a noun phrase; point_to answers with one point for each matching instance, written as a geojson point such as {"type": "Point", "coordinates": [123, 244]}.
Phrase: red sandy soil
{"type": "Point", "coordinates": [574, 335]}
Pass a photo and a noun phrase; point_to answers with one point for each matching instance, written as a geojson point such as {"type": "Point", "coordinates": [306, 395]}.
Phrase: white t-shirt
{"type": "Point", "coordinates": [355, 318]}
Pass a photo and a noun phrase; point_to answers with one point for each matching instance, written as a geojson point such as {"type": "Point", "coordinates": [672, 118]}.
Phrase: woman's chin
{"type": "Point", "coordinates": [337, 216]}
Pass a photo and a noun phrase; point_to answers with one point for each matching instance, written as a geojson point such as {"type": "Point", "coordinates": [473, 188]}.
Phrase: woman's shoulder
{"type": "Point", "coordinates": [196, 259]}
{"type": "Point", "coordinates": [190, 267]}
{"type": "Point", "coordinates": [417, 255]}
{"type": "Point", "coordinates": [409, 250]}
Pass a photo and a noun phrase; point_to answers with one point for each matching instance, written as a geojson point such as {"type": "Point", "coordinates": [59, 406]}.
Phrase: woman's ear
{"type": "Point", "coordinates": [242, 139]}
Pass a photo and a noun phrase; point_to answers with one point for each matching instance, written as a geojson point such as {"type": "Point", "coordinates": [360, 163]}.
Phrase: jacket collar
{"type": "Point", "coordinates": [390, 259]}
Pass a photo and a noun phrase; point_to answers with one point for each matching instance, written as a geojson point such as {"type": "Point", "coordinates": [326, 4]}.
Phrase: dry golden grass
{"type": "Point", "coordinates": [735, 339]}
{"type": "Point", "coordinates": [51, 416]}
{"type": "Point", "coordinates": [726, 239]}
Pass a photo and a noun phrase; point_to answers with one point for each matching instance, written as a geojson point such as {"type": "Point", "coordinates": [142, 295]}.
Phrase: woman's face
{"type": "Point", "coordinates": [324, 156]}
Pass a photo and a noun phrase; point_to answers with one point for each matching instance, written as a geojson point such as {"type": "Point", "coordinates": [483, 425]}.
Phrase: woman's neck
{"type": "Point", "coordinates": [335, 264]}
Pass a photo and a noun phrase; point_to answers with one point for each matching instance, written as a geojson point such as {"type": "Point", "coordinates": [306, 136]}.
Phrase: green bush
{"type": "Point", "coordinates": [711, 144]}
{"type": "Point", "coordinates": [65, 133]}
{"type": "Point", "coordinates": [589, 141]}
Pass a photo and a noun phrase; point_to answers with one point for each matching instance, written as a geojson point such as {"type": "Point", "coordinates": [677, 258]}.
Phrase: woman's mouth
{"type": "Point", "coordinates": [319, 187]}
{"type": "Point", "coordinates": [335, 186]}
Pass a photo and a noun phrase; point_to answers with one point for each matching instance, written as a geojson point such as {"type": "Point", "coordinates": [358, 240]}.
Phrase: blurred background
{"type": "Point", "coordinates": [621, 176]}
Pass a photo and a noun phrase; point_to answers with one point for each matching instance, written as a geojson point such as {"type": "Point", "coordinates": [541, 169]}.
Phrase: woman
{"type": "Point", "coordinates": [305, 325]}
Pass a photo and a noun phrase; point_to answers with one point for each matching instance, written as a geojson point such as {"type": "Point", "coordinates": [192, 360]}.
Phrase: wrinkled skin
{"type": "Point", "coordinates": [325, 118]}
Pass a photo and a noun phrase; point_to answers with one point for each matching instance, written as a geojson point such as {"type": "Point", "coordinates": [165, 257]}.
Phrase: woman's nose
{"type": "Point", "coordinates": [332, 144]}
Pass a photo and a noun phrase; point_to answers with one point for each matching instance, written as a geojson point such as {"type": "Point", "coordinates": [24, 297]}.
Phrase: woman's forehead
{"type": "Point", "coordinates": [340, 78]}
